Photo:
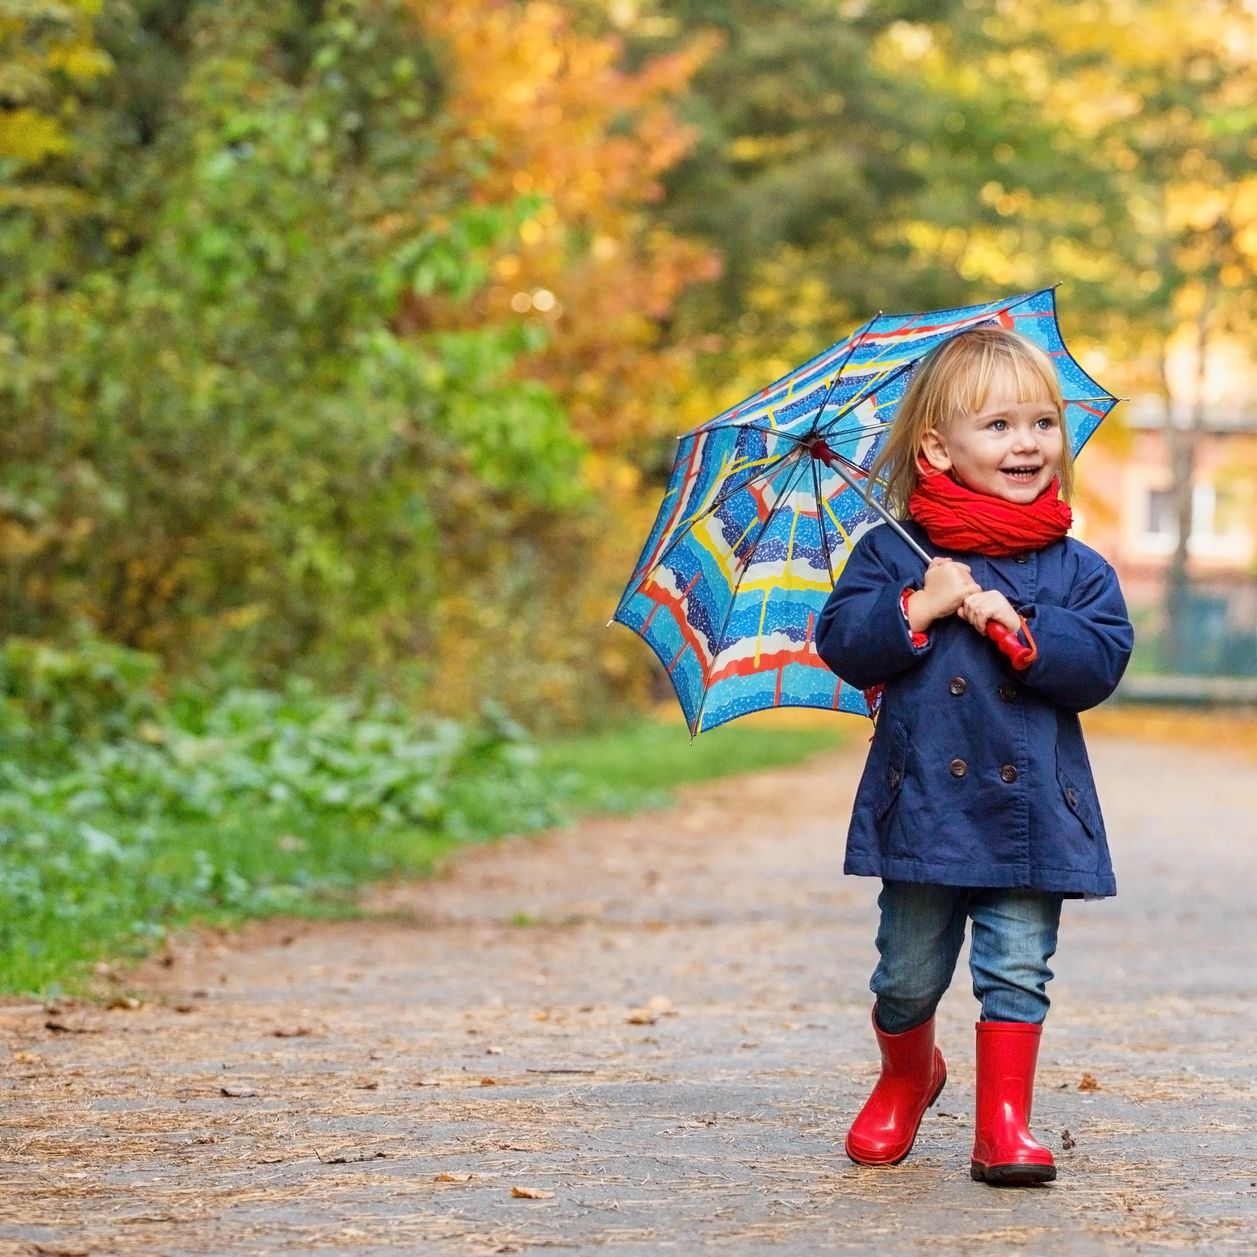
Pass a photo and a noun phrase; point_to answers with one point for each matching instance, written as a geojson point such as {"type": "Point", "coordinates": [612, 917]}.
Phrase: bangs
{"type": "Point", "coordinates": [1005, 372]}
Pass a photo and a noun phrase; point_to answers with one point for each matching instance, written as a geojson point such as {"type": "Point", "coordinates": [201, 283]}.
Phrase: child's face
{"type": "Point", "coordinates": [1009, 449]}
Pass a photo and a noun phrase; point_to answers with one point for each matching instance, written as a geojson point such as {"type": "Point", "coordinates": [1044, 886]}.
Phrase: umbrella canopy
{"type": "Point", "coordinates": [761, 512]}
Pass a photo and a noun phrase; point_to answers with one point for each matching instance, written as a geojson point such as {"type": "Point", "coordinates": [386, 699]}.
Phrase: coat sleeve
{"type": "Point", "coordinates": [1084, 645]}
{"type": "Point", "coordinates": [863, 634]}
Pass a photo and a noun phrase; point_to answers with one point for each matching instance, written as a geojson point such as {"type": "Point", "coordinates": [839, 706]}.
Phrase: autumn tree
{"type": "Point", "coordinates": [219, 440]}
{"type": "Point", "coordinates": [1165, 95]}
{"type": "Point", "coordinates": [546, 102]}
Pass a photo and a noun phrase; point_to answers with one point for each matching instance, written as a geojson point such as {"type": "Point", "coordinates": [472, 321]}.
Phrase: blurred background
{"type": "Point", "coordinates": [349, 339]}
{"type": "Point", "coordinates": [344, 345]}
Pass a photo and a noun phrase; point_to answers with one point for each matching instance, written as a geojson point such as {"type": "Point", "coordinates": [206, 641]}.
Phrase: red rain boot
{"type": "Point", "coordinates": [1004, 1151]}
{"type": "Point", "coordinates": [913, 1074]}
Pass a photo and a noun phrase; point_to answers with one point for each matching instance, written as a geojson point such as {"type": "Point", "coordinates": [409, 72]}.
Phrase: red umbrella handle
{"type": "Point", "coordinates": [1019, 655]}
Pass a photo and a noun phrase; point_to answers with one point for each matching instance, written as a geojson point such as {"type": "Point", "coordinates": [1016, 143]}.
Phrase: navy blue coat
{"type": "Point", "coordinates": [977, 774]}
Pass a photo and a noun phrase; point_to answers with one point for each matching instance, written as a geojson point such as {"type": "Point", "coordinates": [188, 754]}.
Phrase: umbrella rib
{"type": "Point", "coordinates": [860, 332]}
{"type": "Point", "coordinates": [856, 342]}
{"type": "Point", "coordinates": [755, 427]}
{"type": "Point", "coordinates": [881, 381]}
{"type": "Point", "coordinates": [713, 506]}
{"type": "Point", "coordinates": [733, 593]}
{"type": "Point", "coordinates": [820, 516]}
{"type": "Point", "coordinates": [857, 434]}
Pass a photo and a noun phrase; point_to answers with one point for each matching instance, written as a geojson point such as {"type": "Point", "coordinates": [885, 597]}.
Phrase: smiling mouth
{"type": "Point", "coordinates": [1021, 473]}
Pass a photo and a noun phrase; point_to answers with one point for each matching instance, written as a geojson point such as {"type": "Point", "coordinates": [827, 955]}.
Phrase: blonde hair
{"type": "Point", "coordinates": [957, 379]}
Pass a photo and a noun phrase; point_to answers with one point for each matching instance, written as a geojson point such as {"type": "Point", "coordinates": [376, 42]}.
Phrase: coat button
{"type": "Point", "coordinates": [958, 685]}
{"type": "Point", "coordinates": [1022, 558]}
{"type": "Point", "coordinates": [1007, 692]}
{"type": "Point", "coordinates": [1008, 773]}
{"type": "Point", "coordinates": [1072, 795]}
{"type": "Point", "coordinates": [958, 768]}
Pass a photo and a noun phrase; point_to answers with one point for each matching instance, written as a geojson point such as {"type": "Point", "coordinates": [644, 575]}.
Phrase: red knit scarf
{"type": "Point", "coordinates": [957, 518]}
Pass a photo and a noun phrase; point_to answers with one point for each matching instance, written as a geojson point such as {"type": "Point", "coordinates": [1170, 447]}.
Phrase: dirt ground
{"type": "Point", "coordinates": [648, 1035]}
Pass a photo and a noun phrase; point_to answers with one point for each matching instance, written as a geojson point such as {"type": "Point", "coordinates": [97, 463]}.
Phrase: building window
{"type": "Point", "coordinates": [1159, 518]}
{"type": "Point", "coordinates": [1218, 523]}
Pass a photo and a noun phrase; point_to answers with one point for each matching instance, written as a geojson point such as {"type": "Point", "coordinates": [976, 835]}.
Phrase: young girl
{"type": "Point", "coordinates": [977, 800]}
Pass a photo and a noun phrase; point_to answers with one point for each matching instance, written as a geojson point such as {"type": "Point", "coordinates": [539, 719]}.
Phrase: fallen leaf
{"type": "Point", "coordinates": [641, 1017]}
{"type": "Point", "coordinates": [290, 1032]}
{"type": "Point", "coordinates": [659, 1004]}
{"type": "Point", "coordinates": [369, 1085]}
{"type": "Point", "coordinates": [1088, 1083]}
{"type": "Point", "coordinates": [238, 1093]}
{"type": "Point", "coordinates": [124, 1001]}
{"type": "Point", "coordinates": [531, 1193]}
{"type": "Point", "coordinates": [350, 1158]}
{"type": "Point", "coordinates": [452, 1178]}
{"type": "Point", "coordinates": [61, 1027]}
{"type": "Point", "coordinates": [58, 1250]}
{"type": "Point", "coordinates": [1067, 1140]}
{"type": "Point", "coordinates": [28, 1058]}
{"type": "Point", "coordinates": [488, 1082]}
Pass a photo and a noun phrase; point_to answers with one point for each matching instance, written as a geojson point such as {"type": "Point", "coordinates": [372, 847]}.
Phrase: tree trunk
{"type": "Point", "coordinates": [1183, 441]}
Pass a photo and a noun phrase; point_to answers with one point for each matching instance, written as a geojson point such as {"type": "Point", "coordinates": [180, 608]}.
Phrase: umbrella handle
{"type": "Point", "coordinates": [1019, 655]}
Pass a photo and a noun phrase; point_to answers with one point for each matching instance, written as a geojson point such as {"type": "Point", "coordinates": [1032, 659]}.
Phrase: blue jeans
{"type": "Point", "coordinates": [919, 940]}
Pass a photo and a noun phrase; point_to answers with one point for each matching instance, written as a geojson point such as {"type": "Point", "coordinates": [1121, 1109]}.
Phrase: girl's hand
{"type": "Point", "coordinates": [947, 584]}
{"type": "Point", "coordinates": [989, 604]}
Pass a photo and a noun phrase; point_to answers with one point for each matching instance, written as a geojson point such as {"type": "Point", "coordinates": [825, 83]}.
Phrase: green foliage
{"type": "Point", "coordinates": [227, 434]}
{"type": "Point", "coordinates": [156, 813]}
{"type": "Point", "coordinates": [811, 144]}
{"type": "Point", "coordinates": [628, 766]}
{"type": "Point", "coordinates": [54, 698]}
{"type": "Point", "coordinates": [221, 808]}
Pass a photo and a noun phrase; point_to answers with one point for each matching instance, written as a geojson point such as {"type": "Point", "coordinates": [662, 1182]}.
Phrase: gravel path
{"type": "Point", "coordinates": [647, 1035]}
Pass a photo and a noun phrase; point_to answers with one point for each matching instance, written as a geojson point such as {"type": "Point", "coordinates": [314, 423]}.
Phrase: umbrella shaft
{"type": "Point", "coordinates": [835, 465]}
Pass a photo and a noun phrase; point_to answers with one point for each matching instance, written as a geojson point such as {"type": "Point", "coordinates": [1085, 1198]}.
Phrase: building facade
{"type": "Point", "coordinates": [1125, 508]}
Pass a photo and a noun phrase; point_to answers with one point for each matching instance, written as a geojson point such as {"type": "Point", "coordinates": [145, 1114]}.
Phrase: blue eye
{"type": "Point", "coordinates": [998, 425]}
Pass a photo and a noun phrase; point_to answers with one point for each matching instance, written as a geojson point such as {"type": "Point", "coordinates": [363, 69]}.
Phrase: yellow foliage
{"type": "Point", "coordinates": [563, 119]}
{"type": "Point", "coordinates": [29, 137]}
{"type": "Point", "coordinates": [40, 45]}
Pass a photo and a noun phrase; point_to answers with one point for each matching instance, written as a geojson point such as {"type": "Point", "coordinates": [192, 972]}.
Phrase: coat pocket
{"type": "Point", "coordinates": [892, 773]}
{"type": "Point", "coordinates": [1082, 803]}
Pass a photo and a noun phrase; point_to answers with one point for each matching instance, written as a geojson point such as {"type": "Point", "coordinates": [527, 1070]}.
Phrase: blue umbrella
{"type": "Point", "coordinates": [766, 500]}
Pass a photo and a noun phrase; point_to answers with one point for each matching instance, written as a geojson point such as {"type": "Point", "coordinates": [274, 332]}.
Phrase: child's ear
{"type": "Point", "coordinates": [934, 450]}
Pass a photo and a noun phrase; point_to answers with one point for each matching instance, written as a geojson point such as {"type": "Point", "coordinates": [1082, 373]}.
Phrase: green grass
{"type": "Point", "coordinates": [641, 764]}
{"type": "Point", "coordinates": [253, 805]}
